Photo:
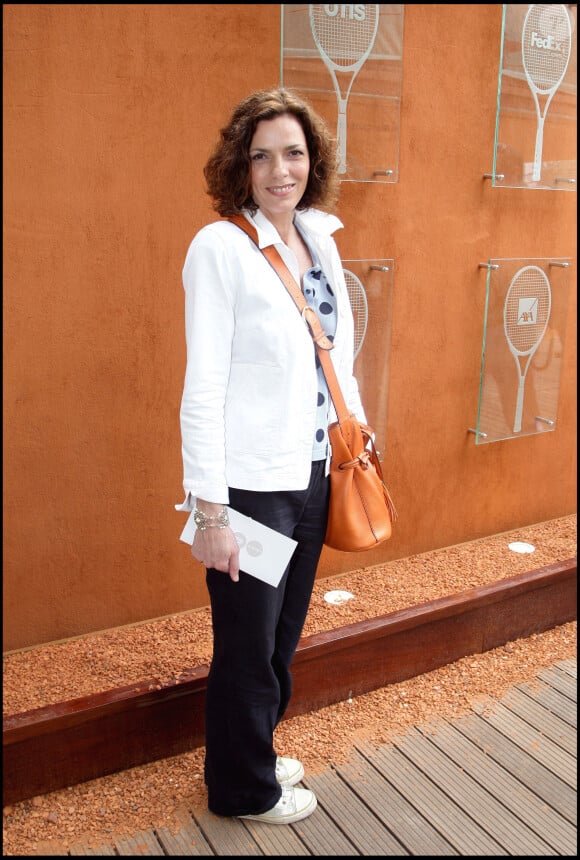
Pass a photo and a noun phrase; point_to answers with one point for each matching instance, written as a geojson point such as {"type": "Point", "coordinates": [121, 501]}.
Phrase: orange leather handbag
{"type": "Point", "coordinates": [361, 511]}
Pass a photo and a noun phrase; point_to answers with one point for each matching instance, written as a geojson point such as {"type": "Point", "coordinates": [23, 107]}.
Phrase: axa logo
{"type": "Point", "coordinates": [354, 12]}
{"type": "Point", "coordinates": [547, 43]}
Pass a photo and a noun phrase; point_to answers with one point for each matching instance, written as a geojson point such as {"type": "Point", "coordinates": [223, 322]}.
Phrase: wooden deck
{"type": "Point", "coordinates": [499, 781]}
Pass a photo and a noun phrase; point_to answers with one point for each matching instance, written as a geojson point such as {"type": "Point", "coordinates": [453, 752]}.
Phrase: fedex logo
{"type": "Point", "coordinates": [346, 10]}
{"type": "Point", "coordinates": [548, 43]}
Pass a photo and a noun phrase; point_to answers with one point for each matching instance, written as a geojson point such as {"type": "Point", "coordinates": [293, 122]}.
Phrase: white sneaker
{"type": "Point", "coordinates": [294, 805]}
{"type": "Point", "coordinates": [289, 771]}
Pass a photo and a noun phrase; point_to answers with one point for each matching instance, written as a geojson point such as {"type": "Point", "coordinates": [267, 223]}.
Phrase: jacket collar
{"type": "Point", "coordinates": [312, 220]}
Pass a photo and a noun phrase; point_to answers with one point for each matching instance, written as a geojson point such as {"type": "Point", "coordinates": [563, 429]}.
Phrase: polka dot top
{"type": "Point", "coordinates": [320, 296]}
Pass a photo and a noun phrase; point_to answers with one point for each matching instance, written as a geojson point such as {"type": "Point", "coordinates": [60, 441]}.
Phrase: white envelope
{"type": "Point", "coordinates": [264, 552]}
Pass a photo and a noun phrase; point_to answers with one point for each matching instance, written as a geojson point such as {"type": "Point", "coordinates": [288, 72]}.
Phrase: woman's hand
{"type": "Point", "coordinates": [218, 548]}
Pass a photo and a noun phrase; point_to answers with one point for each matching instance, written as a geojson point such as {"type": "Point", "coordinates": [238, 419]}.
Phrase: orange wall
{"type": "Point", "coordinates": [109, 115]}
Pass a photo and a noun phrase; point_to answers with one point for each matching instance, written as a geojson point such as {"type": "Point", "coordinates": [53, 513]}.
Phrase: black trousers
{"type": "Point", "coordinates": [256, 629]}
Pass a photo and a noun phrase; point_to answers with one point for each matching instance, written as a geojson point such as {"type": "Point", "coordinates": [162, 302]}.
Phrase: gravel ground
{"type": "Point", "coordinates": [156, 794]}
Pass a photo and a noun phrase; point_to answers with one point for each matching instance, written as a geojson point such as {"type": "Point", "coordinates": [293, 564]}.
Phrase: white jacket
{"type": "Point", "coordinates": [249, 398]}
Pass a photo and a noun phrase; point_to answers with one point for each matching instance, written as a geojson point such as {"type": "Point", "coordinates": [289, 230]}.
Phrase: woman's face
{"type": "Point", "coordinates": [280, 166]}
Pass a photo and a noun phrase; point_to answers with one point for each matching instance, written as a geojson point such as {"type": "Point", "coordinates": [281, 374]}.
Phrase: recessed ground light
{"type": "Point", "coordinates": [521, 546]}
{"type": "Point", "coordinates": [338, 597]}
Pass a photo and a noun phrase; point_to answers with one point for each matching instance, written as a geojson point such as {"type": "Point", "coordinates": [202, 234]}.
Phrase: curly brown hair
{"type": "Point", "coordinates": [228, 170]}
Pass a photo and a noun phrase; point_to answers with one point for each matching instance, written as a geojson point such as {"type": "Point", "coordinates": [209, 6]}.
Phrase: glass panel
{"type": "Point", "coordinates": [370, 286]}
{"type": "Point", "coordinates": [346, 59]}
{"type": "Point", "coordinates": [535, 141]}
{"type": "Point", "coordinates": [523, 342]}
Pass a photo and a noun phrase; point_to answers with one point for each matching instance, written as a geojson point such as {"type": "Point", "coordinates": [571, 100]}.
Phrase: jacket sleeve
{"type": "Point", "coordinates": [209, 327]}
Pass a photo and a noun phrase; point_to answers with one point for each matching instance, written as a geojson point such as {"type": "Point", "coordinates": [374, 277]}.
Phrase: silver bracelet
{"type": "Point", "coordinates": [203, 521]}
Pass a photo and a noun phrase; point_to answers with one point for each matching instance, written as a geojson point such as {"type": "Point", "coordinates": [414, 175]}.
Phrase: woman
{"type": "Point", "coordinates": [254, 417]}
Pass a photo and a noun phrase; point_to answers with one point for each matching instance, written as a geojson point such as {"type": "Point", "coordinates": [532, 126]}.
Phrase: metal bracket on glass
{"type": "Point", "coordinates": [499, 176]}
{"type": "Point", "coordinates": [383, 172]}
{"type": "Point", "coordinates": [488, 265]}
{"type": "Point", "coordinates": [472, 430]}
{"type": "Point", "coordinates": [380, 268]}
{"type": "Point", "coordinates": [562, 265]}
{"type": "Point", "coordinates": [564, 179]}
{"type": "Point", "coordinates": [549, 421]}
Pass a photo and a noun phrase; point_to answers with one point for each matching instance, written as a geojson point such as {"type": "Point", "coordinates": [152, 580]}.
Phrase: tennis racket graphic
{"type": "Point", "coordinates": [525, 317]}
{"type": "Point", "coordinates": [360, 308]}
{"type": "Point", "coordinates": [546, 48]}
{"type": "Point", "coordinates": [344, 35]}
